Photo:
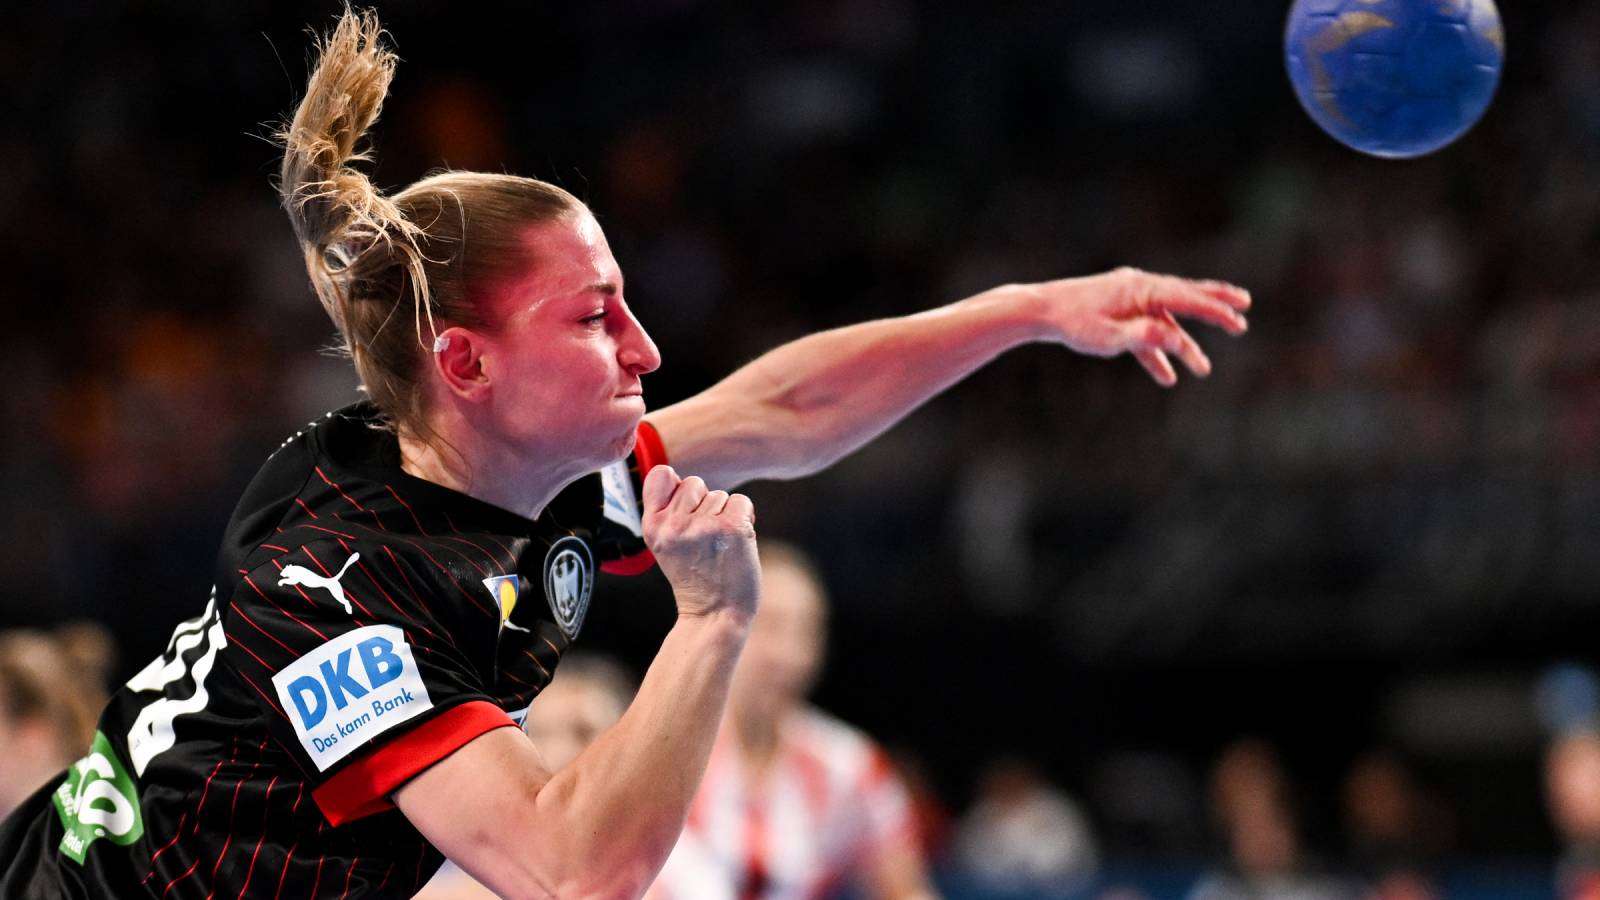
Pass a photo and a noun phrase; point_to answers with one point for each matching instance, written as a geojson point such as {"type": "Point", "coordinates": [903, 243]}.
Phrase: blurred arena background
{"type": "Point", "coordinates": [1336, 575]}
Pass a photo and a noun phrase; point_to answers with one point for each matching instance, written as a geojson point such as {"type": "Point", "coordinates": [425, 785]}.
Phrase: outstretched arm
{"type": "Point", "coordinates": [801, 407]}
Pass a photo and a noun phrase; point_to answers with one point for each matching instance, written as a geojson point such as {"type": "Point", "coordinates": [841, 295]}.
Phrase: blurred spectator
{"type": "Point", "coordinates": [1251, 803]}
{"type": "Point", "coordinates": [1395, 833]}
{"type": "Point", "coordinates": [1023, 833]}
{"type": "Point", "coordinates": [587, 696]}
{"type": "Point", "coordinates": [52, 688]}
{"type": "Point", "coordinates": [1572, 788]}
{"type": "Point", "coordinates": [794, 802]}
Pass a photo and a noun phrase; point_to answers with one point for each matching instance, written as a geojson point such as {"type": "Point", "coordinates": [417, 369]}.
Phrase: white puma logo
{"type": "Point", "coordinates": [300, 575]}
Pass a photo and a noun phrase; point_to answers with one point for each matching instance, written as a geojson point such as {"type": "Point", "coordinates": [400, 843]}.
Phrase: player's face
{"type": "Point", "coordinates": [567, 717]}
{"type": "Point", "coordinates": [566, 358]}
{"type": "Point", "coordinates": [784, 651]}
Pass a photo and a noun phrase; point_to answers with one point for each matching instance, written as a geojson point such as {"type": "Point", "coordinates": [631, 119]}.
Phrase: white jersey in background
{"type": "Point", "coordinates": [829, 802]}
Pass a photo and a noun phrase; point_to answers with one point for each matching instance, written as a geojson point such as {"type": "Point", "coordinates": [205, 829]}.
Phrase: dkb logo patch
{"type": "Point", "coordinates": [350, 690]}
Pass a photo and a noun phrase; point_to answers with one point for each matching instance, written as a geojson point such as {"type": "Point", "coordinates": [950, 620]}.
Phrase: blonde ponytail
{"type": "Point", "coordinates": [368, 253]}
{"type": "Point", "coordinates": [336, 211]}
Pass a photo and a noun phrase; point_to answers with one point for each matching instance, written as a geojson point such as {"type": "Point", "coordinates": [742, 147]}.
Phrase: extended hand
{"type": "Point", "coordinates": [705, 543]}
{"type": "Point", "coordinates": [1129, 311]}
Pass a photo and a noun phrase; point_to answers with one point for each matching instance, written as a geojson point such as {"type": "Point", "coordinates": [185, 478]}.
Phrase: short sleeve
{"type": "Point", "coordinates": [363, 664]}
{"type": "Point", "coordinates": [619, 532]}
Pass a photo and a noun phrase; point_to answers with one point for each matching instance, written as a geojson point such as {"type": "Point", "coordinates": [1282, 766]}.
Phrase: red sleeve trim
{"type": "Point", "coordinates": [363, 788]}
{"type": "Point", "coordinates": [648, 452]}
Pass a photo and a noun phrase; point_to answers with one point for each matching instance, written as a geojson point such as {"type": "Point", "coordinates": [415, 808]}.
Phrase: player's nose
{"type": "Point", "coordinates": [635, 350]}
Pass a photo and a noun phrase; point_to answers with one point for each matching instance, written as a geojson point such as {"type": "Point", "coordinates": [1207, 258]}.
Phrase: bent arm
{"type": "Point", "coordinates": [603, 825]}
{"type": "Point", "coordinates": [803, 406]}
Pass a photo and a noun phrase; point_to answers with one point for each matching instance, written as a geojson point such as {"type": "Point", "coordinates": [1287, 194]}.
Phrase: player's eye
{"type": "Point", "coordinates": [597, 317]}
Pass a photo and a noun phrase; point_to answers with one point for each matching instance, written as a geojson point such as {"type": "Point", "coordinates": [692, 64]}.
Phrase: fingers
{"type": "Point", "coordinates": [1231, 294]}
{"type": "Point", "coordinates": [690, 494]}
{"type": "Point", "coordinates": [714, 503]}
{"type": "Point", "coordinates": [659, 484]}
{"type": "Point", "coordinates": [1156, 363]}
{"type": "Point", "coordinates": [1187, 349]}
{"type": "Point", "coordinates": [1187, 298]}
{"type": "Point", "coordinates": [740, 506]}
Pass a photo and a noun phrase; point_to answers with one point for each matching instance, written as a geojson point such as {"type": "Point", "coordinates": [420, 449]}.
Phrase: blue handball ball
{"type": "Point", "coordinates": [1395, 78]}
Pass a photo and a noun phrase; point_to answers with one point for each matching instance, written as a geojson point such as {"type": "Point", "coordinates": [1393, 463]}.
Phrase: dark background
{"type": "Point", "coordinates": [1373, 527]}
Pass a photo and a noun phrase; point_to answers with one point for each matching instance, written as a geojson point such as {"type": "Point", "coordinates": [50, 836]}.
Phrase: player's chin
{"type": "Point", "coordinates": [626, 427]}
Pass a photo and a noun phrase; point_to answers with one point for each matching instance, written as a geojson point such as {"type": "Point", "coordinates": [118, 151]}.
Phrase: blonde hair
{"type": "Point", "coordinates": [424, 255]}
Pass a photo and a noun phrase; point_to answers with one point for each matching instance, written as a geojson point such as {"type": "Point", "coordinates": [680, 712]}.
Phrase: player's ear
{"type": "Point", "coordinates": [458, 359]}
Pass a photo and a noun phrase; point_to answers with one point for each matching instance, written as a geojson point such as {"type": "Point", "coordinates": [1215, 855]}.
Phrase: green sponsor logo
{"type": "Point", "coordinates": [98, 800]}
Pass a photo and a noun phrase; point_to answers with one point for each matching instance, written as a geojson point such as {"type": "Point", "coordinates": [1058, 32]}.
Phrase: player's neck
{"type": "Point", "coordinates": [756, 734]}
{"type": "Point", "coordinates": [464, 461]}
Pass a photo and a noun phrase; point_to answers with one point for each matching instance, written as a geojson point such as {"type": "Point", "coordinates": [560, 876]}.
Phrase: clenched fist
{"type": "Point", "coordinates": [705, 543]}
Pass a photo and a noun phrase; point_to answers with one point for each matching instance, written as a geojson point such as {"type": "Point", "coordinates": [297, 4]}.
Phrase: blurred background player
{"type": "Point", "coordinates": [1572, 786]}
{"type": "Point", "coordinates": [1023, 834]}
{"type": "Point", "coordinates": [52, 687]}
{"type": "Point", "coordinates": [1253, 804]}
{"type": "Point", "coordinates": [795, 803]}
{"type": "Point", "coordinates": [587, 696]}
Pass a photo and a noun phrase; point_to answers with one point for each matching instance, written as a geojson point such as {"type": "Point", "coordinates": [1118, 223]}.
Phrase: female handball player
{"type": "Point", "coordinates": [402, 576]}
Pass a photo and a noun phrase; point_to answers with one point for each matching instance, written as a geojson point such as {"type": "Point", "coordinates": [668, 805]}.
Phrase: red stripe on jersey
{"type": "Point", "coordinates": [348, 875]}
{"type": "Point", "coordinates": [648, 452]}
{"type": "Point", "coordinates": [284, 875]}
{"type": "Point", "coordinates": [379, 587]}
{"type": "Point", "coordinates": [507, 673]}
{"type": "Point", "coordinates": [276, 547]}
{"type": "Point", "coordinates": [349, 499]}
{"type": "Point", "coordinates": [493, 614]}
{"type": "Point", "coordinates": [284, 611]}
{"type": "Point", "coordinates": [263, 694]}
{"type": "Point", "coordinates": [512, 557]}
{"type": "Point", "coordinates": [421, 606]}
{"type": "Point", "coordinates": [309, 510]}
{"type": "Point", "coordinates": [536, 662]}
{"type": "Point", "coordinates": [266, 809]}
{"type": "Point", "coordinates": [414, 520]}
{"type": "Point", "coordinates": [233, 810]}
{"type": "Point", "coordinates": [233, 641]}
{"type": "Point", "coordinates": [328, 530]}
{"type": "Point", "coordinates": [165, 847]}
{"type": "Point", "coordinates": [422, 854]}
{"type": "Point", "coordinates": [206, 791]}
{"type": "Point", "coordinates": [386, 873]}
{"type": "Point", "coordinates": [363, 788]}
{"type": "Point", "coordinates": [243, 615]}
{"type": "Point", "coordinates": [481, 570]}
{"type": "Point", "coordinates": [186, 873]}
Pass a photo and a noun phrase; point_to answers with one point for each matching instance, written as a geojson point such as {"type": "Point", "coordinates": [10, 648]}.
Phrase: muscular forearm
{"type": "Point", "coordinates": [801, 407]}
{"type": "Point", "coordinates": [603, 825]}
{"type": "Point", "coordinates": [613, 815]}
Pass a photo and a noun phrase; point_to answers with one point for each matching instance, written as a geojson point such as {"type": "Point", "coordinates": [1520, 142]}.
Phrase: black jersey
{"type": "Point", "coordinates": [364, 625]}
